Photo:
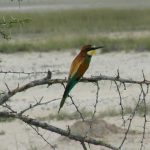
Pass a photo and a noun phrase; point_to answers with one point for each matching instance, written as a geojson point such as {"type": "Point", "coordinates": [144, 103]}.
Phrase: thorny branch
{"type": "Point", "coordinates": [142, 99]}
{"type": "Point", "coordinates": [5, 96]}
{"type": "Point", "coordinates": [22, 72]}
{"type": "Point", "coordinates": [130, 122]}
{"type": "Point", "coordinates": [94, 112]}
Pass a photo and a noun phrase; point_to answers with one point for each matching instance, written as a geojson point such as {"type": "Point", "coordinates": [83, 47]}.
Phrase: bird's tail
{"type": "Point", "coordinates": [62, 103]}
{"type": "Point", "coordinates": [65, 95]}
{"type": "Point", "coordinates": [67, 90]}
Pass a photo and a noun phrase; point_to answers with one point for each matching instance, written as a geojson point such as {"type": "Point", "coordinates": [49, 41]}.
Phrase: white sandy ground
{"type": "Point", "coordinates": [19, 136]}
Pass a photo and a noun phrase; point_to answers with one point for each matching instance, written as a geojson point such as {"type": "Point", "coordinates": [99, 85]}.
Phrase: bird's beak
{"type": "Point", "coordinates": [96, 47]}
{"type": "Point", "coordinates": [92, 50]}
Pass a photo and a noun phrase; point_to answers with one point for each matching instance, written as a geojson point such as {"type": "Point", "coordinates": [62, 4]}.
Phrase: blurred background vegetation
{"type": "Point", "coordinates": [66, 24]}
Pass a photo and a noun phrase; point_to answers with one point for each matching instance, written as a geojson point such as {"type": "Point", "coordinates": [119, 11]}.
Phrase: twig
{"type": "Point", "coordinates": [7, 88]}
{"type": "Point", "coordinates": [94, 112]}
{"type": "Point", "coordinates": [9, 108]}
{"type": "Point", "coordinates": [121, 104]}
{"type": "Point", "coordinates": [38, 133]}
{"type": "Point", "coordinates": [96, 101]}
{"type": "Point", "coordinates": [22, 72]}
{"type": "Point", "coordinates": [38, 103]}
{"type": "Point", "coordinates": [76, 108]}
{"type": "Point", "coordinates": [130, 120]}
{"type": "Point", "coordinates": [145, 114]}
{"type": "Point", "coordinates": [83, 145]}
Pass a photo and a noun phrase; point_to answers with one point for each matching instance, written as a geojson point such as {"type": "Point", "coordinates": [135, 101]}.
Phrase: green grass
{"type": "Point", "coordinates": [83, 21]}
{"type": "Point", "coordinates": [59, 30]}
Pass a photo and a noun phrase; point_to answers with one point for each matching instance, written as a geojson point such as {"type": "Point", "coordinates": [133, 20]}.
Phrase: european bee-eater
{"type": "Point", "coordinates": [78, 67]}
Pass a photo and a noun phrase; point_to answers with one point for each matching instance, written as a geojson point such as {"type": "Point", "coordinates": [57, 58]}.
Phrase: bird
{"type": "Point", "coordinates": [78, 67]}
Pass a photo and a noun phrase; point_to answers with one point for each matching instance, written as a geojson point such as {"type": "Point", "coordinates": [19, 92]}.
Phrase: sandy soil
{"type": "Point", "coordinates": [16, 135]}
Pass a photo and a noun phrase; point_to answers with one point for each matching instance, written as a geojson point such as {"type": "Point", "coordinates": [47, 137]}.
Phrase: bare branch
{"type": "Point", "coordinates": [35, 129]}
{"type": "Point", "coordinates": [96, 101]}
{"type": "Point", "coordinates": [38, 103]}
{"type": "Point", "coordinates": [83, 145]}
{"type": "Point", "coordinates": [131, 119]}
{"type": "Point", "coordinates": [7, 95]}
{"type": "Point", "coordinates": [83, 139]}
{"type": "Point", "coordinates": [22, 72]}
{"type": "Point", "coordinates": [121, 104]}
{"type": "Point", "coordinates": [7, 87]}
{"type": "Point", "coordinates": [57, 130]}
{"type": "Point", "coordinates": [145, 114]}
{"type": "Point", "coordinates": [77, 108]}
{"type": "Point", "coordinates": [9, 108]}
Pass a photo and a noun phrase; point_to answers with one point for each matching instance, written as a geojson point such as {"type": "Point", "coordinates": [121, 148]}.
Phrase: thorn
{"type": "Point", "coordinates": [49, 74]}
{"type": "Point", "coordinates": [40, 100]}
{"type": "Point", "coordinates": [124, 86]}
{"type": "Point", "coordinates": [143, 76]}
{"type": "Point", "coordinates": [68, 130]}
{"type": "Point", "coordinates": [118, 74]}
{"type": "Point", "coordinates": [7, 88]}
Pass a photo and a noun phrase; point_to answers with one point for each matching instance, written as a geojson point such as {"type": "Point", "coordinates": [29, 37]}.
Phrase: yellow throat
{"type": "Point", "coordinates": [92, 52]}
